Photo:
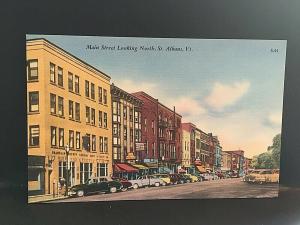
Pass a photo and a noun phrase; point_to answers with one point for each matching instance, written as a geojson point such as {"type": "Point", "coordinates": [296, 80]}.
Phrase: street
{"type": "Point", "coordinates": [225, 188]}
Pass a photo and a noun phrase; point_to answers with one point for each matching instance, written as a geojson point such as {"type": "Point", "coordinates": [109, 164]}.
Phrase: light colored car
{"type": "Point", "coordinates": [146, 181]}
{"type": "Point", "coordinates": [164, 177]}
{"type": "Point", "coordinates": [263, 176]}
{"type": "Point", "coordinates": [207, 176]}
{"type": "Point", "coordinates": [193, 177]}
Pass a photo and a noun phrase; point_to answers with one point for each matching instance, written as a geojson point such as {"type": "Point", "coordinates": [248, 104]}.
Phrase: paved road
{"type": "Point", "coordinates": [228, 188]}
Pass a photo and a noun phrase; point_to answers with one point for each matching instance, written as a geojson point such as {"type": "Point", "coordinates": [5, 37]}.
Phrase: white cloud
{"type": "Point", "coordinates": [187, 106]}
{"type": "Point", "coordinates": [223, 95]}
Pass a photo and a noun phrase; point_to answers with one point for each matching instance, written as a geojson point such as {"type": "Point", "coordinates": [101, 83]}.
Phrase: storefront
{"type": "Point", "coordinates": [124, 170]}
{"type": "Point", "coordinates": [36, 175]}
{"type": "Point", "coordinates": [143, 170]}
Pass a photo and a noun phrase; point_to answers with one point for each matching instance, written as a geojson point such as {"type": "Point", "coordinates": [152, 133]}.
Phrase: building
{"type": "Point", "coordinates": [226, 162]}
{"type": "Point", "coordinates": [216, 154]}
{"type": "Point", "coordinates": [205, 150]}
{"type": "Point", "coordinates": [189, 143]}
{"type": "Point", "coordinates": [186, 149]}
{"type": "Point", "coordinates": [247, 165]}
{"type": "Point", "coordinates": [161, 131]}
{"type": "Point", "coordinates": [126, 125]}
{"type": "Point", "coordinates": [237, 161]}
{"type": "Point", "coordinates": [69, 108]}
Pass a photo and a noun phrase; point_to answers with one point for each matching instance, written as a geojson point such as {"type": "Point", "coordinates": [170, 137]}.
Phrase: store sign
{"type": "Point", "coordinates": [140, 146]}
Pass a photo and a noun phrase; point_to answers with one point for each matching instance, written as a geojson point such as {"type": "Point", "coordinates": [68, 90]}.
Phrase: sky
{"type": "Point", "coordinates": [232, 88]}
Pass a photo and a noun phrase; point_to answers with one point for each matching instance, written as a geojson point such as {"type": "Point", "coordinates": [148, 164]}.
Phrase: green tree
{"type": "Point", "coordinates": [271, 158]}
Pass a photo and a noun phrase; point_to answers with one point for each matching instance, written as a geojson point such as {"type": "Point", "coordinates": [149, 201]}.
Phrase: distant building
{"type": "Point", "coordinates": [237, 161]}
{"type": "Point", "coordinates": [226, 161]}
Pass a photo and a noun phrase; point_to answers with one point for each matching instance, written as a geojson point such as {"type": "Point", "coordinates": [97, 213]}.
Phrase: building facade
{"type": "Point", "coordinates": [69, 108]}
{"type": "Point", "coordinates": [126, 126]}
{"type": "Point", "coordinates": [226, 162]}
{"type": "Point", "coordinates": [161, 131]}
{"type": "Point", "coordinates": [186, 149]}
{"type": "Point", "coordinates": [237, 161]}
{"type": "Point", "coordinates": [205, 149]}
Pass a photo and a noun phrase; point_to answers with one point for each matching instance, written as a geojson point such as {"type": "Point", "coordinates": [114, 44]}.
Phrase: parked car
{"type": "Point", "coordinates": [125, 183]}
{"type": "Point", "coordinates": [96, 185]}
{"type": "Point", "coordinates": [146, 180]}
{"type": "Point", "coordinates": [207, 176]}
{"type": "Point", "coordinates": [220, 175]}
{"type": "Point", "coordinates": [178, 178]}
{"type": "Point", "coordinates": [193, 177]}
{"type": "Point", "coordinates": [215, 176]}
{"type": "Point", "coordinates": [267, 176]}
{"type": "Point", "coordinates": [251, 176]}
{"type": "Point", "coordinates": [174, 179]}
{"type": "Point", "coordinates": [187, 178]}
{"type": "Point", "coordinates": [164, 177]}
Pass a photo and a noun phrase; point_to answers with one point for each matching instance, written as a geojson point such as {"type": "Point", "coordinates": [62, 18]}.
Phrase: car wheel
{"type": "Point", "coordinates": [157, 184]}
{"type": "Point", "coordinates": [80, 193]}
{"type": "Point", "coordinates": [181, 181]}
{"type": "Point", "coordinates": [124, 189]}
{"type": "Point", "coordinates": [113, 190]}
{"type": "Point", "coordinates": [188, 181]}
{"type": "Point", "coordinates": [164, 184]}
{"type": "Point", "coordinates": [135, 186]}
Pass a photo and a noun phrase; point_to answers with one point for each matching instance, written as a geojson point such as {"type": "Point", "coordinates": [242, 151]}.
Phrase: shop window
{"type": "Point", "coordinates": [102, 169]}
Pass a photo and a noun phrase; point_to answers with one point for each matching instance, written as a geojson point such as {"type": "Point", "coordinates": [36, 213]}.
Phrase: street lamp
{"type": "Point", "coordinates": [67, 149]}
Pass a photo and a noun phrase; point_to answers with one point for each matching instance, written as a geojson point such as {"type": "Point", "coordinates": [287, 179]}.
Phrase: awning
{"type": "Point", "coordinates": [122, 167]}
{"type": "Point", "coordinates": [140, 167]}
{"type": "Point", "coordinates": [201, 169]}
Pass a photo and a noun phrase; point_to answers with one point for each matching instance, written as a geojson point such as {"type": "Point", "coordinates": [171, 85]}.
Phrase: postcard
{"type": "Point", "coordinates": [125, 118]}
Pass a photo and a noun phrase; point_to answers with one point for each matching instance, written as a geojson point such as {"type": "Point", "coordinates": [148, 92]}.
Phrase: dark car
{"type": "Point", "coordinates": [180, 179]}
{"type": "Point", "coordinates": [125, 183]}
{"type": "Point", "coordinates": [96, 185]}
{"type": "Point", "coordinates": [187, 178]}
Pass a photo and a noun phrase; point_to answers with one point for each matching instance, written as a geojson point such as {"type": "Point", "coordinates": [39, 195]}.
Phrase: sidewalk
{"type": "Point", "coordinates": [44, 198]}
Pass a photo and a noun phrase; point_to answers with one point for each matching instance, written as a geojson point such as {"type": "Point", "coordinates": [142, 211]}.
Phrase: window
{"type": "Point", "coordinates": [87, 89]}
{"type": "Point", "coordinates": [76, 84]}
{"type": "Point", "coordinates": [125, 112]}
{"type": "Point", "coordinates": [71, 138]}
{"type": "Point", "coordinates": [92, 91]}
{"type": "Point", "coordinates": [105, 96]}
{"type": "Point", "coordinates": [100, 118]}
{"type": "Point", "coordinates": [77, 111]}
{"type": "Point", "coordinates": [70, 81]}
{"type": "Point", "coordinates": [105, 147]}
{"type": "Point", "coordinates": [53, 136]}
{"type": "Point", "coordinates": [100, 94]}
{"type": "Point", "coordinates": [130, 115]}
{"type": "Point", "coordinates": [52, 103]}
{"type": "Point", "coordinates": [86, 171]}
{"type": "Point", "coordinates": [34, 101]}
{"type": "Point", "coordinates": [87, 114]}
{"type": "Point", "coordinates": [77, 140]}
{"type": "Point", "coordinates": [61, 137]}
{"type": "Point", "coordinates": [34, 135]}
{"type": "Point", "coordinates": [105, 120]}
{"type": "Point", "coordinates": [92, 116]}
{"type": "Point", "coordinates": [52, 73]}
{"type": "Point", "coordinates": [32, 69]}
{"type": "Point", "coordinates": [101, 143]}
{"type": "Point", "coordinates": [71, 109]}
{"type": "Point", "coordinates": [93, 142]}
{"type": "Point", "coordinates": [60, 77]}
{"type": "Point", "coordinates": [60, 106]}
{"type": "Point", "coordinates": [102, 169]}
{"type": "Point", "coordinates": [115, 129]}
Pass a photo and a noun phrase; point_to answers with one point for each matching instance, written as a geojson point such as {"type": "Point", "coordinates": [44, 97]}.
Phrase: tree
{"type": "Point", "coordinates": [271, 158]}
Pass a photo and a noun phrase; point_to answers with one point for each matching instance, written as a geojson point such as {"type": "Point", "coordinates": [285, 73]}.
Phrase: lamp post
{"type": "Point", "coordinates": [67, 149]}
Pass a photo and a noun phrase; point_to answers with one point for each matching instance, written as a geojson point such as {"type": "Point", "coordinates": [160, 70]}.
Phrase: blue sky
{"type": "Point", "coordinates": [232, 88]}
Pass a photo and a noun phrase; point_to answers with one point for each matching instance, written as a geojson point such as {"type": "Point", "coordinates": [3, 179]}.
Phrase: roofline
{"type": "Point", "coordinates": [56, 46]}
{"type": "Point", "coordinates": [134, 97]}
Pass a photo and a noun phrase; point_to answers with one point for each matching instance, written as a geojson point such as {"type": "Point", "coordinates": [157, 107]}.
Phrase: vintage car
{"type": "Point", "coordinates": [146, 181]}
{"type": "Point", "coordinates": [251, 176]}
{"type": "Point", "coordinates": [207, 176]}
{"type": "Point", "coordinates": [164, 177]}
{"type": "Point", "coordinates": [193, 177]}
{"type": "Point", "coordinates": [96, 185]}
{"type": "Point", "coordinates": [263, 176]}
{"type": "Point", "coordinates": [125, 183]}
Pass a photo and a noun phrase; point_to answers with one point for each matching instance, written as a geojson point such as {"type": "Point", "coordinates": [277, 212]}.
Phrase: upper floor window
{"type": "Point", "coordinates": [60, 77]}
{"type": "Point", "coordinates": [52, 73]}
{"type": "Point", "coordinates": [92, 91]}
{"type": "Point", "coordinates": [87, 89]}
{"type": "Point", "coordinates": [32, 69]}
{"type": "Point", "coordinates": [105, 120]}
{"type": "Point", "coordinates": [105, 147]}
{"type": "Point", "coordinates": [71, 109]}
{"type": "Point", "coordinates": [93, 142]}
{"type": "Point", "coordinates": [87, 114]}
{"type": "Point", "coordinates": [100, 94]}
{"type": "Point", "coordinates": [53, 136]}
{"type": "Point", "coordinates": [60, 106]}
{"type": "Point", "coordinates": [100, 118]}
{"type": "Point", "coordinates": [34, 101]}
{"type": "Point", "coordinates": [70, 81]}
{"type": "Point", "coordinates": [52, 103]}
{"type": "Point", "coordinates": [105, 96]}
{"type": "Point", "coordinates": [92, 116]}
{"type": "Point", "coordinates": [76, 84]}
{"type": "Point", "coordinates": [77, 111]}
{"type": "Point", "coordinates": [34, 135]}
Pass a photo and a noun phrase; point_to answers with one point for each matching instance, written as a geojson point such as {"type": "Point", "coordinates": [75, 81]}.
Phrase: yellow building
{"type": "Point", "coordinates": [69, 104]}
{"type": "Point", "coordinates": [186, 139]}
